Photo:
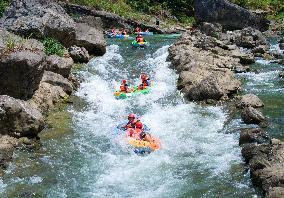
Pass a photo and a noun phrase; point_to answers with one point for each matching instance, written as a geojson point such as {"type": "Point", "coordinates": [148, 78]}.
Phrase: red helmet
{"type": "Point", "coordinates": [131, 116]}
{"type": "Point", "coordinates": [124, 81]}
{"type": "Point", "coordinates": [139, 125]}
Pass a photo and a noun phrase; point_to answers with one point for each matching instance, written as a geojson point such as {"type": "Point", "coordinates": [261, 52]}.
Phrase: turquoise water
{"type": "Point", "coordinates": [198, 158]}
{"type": "Point", "coordinates": [264, 82]}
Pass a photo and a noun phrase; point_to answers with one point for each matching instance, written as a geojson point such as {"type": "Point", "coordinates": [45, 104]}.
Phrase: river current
{"type": "Point", "coordinates": [200, 156]}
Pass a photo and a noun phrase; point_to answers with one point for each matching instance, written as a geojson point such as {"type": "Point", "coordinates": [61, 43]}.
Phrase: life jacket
{"type": "Point", "coordinates": [123, 88]}
{"type": "Point", "coordinates": [146, 83]}
{"type": "Point", "coordinates": [131, 124]}
{"type": "Point", "coordinates": [139, 39]}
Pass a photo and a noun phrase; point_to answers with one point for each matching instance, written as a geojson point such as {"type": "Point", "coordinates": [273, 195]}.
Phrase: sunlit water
{"type": "Point", "coordinates": [198, 158]}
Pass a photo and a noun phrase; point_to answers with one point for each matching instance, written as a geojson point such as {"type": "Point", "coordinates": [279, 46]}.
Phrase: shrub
{"type": "Point", "coordinates": [53, 47]}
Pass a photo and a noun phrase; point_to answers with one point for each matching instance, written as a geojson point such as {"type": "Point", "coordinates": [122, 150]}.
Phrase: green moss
{"type": "Point", "coordinates": [3, 6]}
{"type": "Point", "coordinates": [53, 47]}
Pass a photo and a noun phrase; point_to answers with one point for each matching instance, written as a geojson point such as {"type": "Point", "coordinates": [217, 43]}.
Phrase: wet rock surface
{"type": "Point", "coordinates": [251, 135]}
{"type": "Point", "coordinates": [251, 115]}
{"type": "Point", "coordinates": [266, 165]}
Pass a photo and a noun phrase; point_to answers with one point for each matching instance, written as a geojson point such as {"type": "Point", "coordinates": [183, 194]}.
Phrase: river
{"type": "Point", "coordinates": [200, 156]}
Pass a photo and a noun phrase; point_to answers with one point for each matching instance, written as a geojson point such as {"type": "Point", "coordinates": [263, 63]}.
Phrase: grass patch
{"type": "Point", "coordinates": [53, 47]}
{"type": "Point", "coordinates": [3, 5]}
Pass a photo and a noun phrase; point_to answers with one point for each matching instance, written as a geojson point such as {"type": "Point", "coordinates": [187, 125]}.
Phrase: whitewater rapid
{"type": "Point", "coordinates": [196, 152]}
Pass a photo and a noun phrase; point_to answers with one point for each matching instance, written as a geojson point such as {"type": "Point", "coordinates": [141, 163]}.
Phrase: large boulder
{"type": "Point", "coordinates": [275, 192]}
{"type": "Point", "coordinates": [90, 38]}
{"type": "Point", "coordinates": [205, 67]}
{"type": "Point", "coordinates": [18, 118]}
{"type": "Point", "coordinates": [22, 65]}
{"type": "Point", "coordinates": [252, 116]}
{"type": "Point", "coordinates": [39, 18]}
{"type": "Point", "coordinates": [59, 65]}
{"type": "Point", "coordinates": [229, 15]}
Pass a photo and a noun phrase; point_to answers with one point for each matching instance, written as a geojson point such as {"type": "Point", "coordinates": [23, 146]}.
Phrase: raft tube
{"type": "Point", "coordinates": [145, 33]}
{"type": "Point", "coordinates": [141, 44]}
{"type": "Point", "coordinates": [121, 95]}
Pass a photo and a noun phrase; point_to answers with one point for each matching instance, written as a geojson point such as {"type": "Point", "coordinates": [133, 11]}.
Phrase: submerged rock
{"type": "Point", "coordinates": [228, 15]}
{"type": "Point", "coordinates": [7, 144]}
{"type": "Point", "coordinates": [18, 118]}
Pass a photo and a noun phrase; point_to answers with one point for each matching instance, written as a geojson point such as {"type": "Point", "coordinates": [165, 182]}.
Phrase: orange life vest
{"type": "Point", "coordinates": [123, 88]}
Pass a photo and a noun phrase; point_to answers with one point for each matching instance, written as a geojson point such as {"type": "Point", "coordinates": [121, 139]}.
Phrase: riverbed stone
{"type": "Point", "coordinates": [251, 135]}
{"type": "Point", "coordinates": [252, 116]}
{"type": "Point", "coordinates": [275, 192]}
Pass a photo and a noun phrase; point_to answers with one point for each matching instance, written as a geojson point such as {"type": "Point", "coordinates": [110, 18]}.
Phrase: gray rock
{"type": "Point", "coordinates": [7, 145]}
{"type": "Point", "coordinates": [57, 80]}
{"type": "Point", "coordinates": [79, 54]}
{"type": "Point", "coordinates": [46, 96]}
{"type": "Point", "coordinates": [252, 135]}
{"type": "Point", "coordinates": [275, 192]}
{"type": "Point", "coordinates": [281, 46]}
{"type": "Point", "coordinates": [18, 118]}
{"type": "Point", "coordinates": [260, 49]}
{"type": "Point", "coordinates": [21, 65]}
{"type": "Point", "coordinates": [250, 100]}
{"type": "Point", "coordinates": [252, 116]}
{"type": "Point", "coordinates": [90, 38]}
{"type": "Point", "coordinates": [41, 19]}
{"type": "Point", "coordinates": [59, 65]}
{"type": "Point", "coordinates": [228, 15]}
{"type": "Point", "coordinates": [211, 29]}
{"type": "Point", "coordinates": [204, 65]}
{"type": "Point", "coordinates": [281, 75]}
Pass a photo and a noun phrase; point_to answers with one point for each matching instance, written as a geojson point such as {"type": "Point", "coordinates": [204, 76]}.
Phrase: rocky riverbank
{"type": "Point", "coordinates": [207, 59]}
{"type": "Point", "coordinates": [32, 81]}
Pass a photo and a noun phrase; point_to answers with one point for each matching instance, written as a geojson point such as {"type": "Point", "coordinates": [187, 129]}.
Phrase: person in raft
{"type": "Point", "coordinates": [113, 31]}
{"type": "Point", "coordinates": [139, 38]}
{"type": "Point", "coordinates": [132, 120]}
{"type": "Point", "coordinates": [137, 29]}
{"type": "Point", "coordinates": [145, 82]}
{"type": "Point", "coordinates": [123, 32]}
{"type": "Point", "coordinates": [124, 87]}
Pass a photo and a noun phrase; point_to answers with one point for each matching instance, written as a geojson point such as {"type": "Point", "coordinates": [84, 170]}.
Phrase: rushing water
{"type": "Point", "coordinates": [198, 158]}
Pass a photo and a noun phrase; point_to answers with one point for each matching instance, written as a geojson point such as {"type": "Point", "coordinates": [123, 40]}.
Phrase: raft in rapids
{"type": "Point", "coordinates": [140, 44]}
{"type": "Point", "coordinates": [122, 95]}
